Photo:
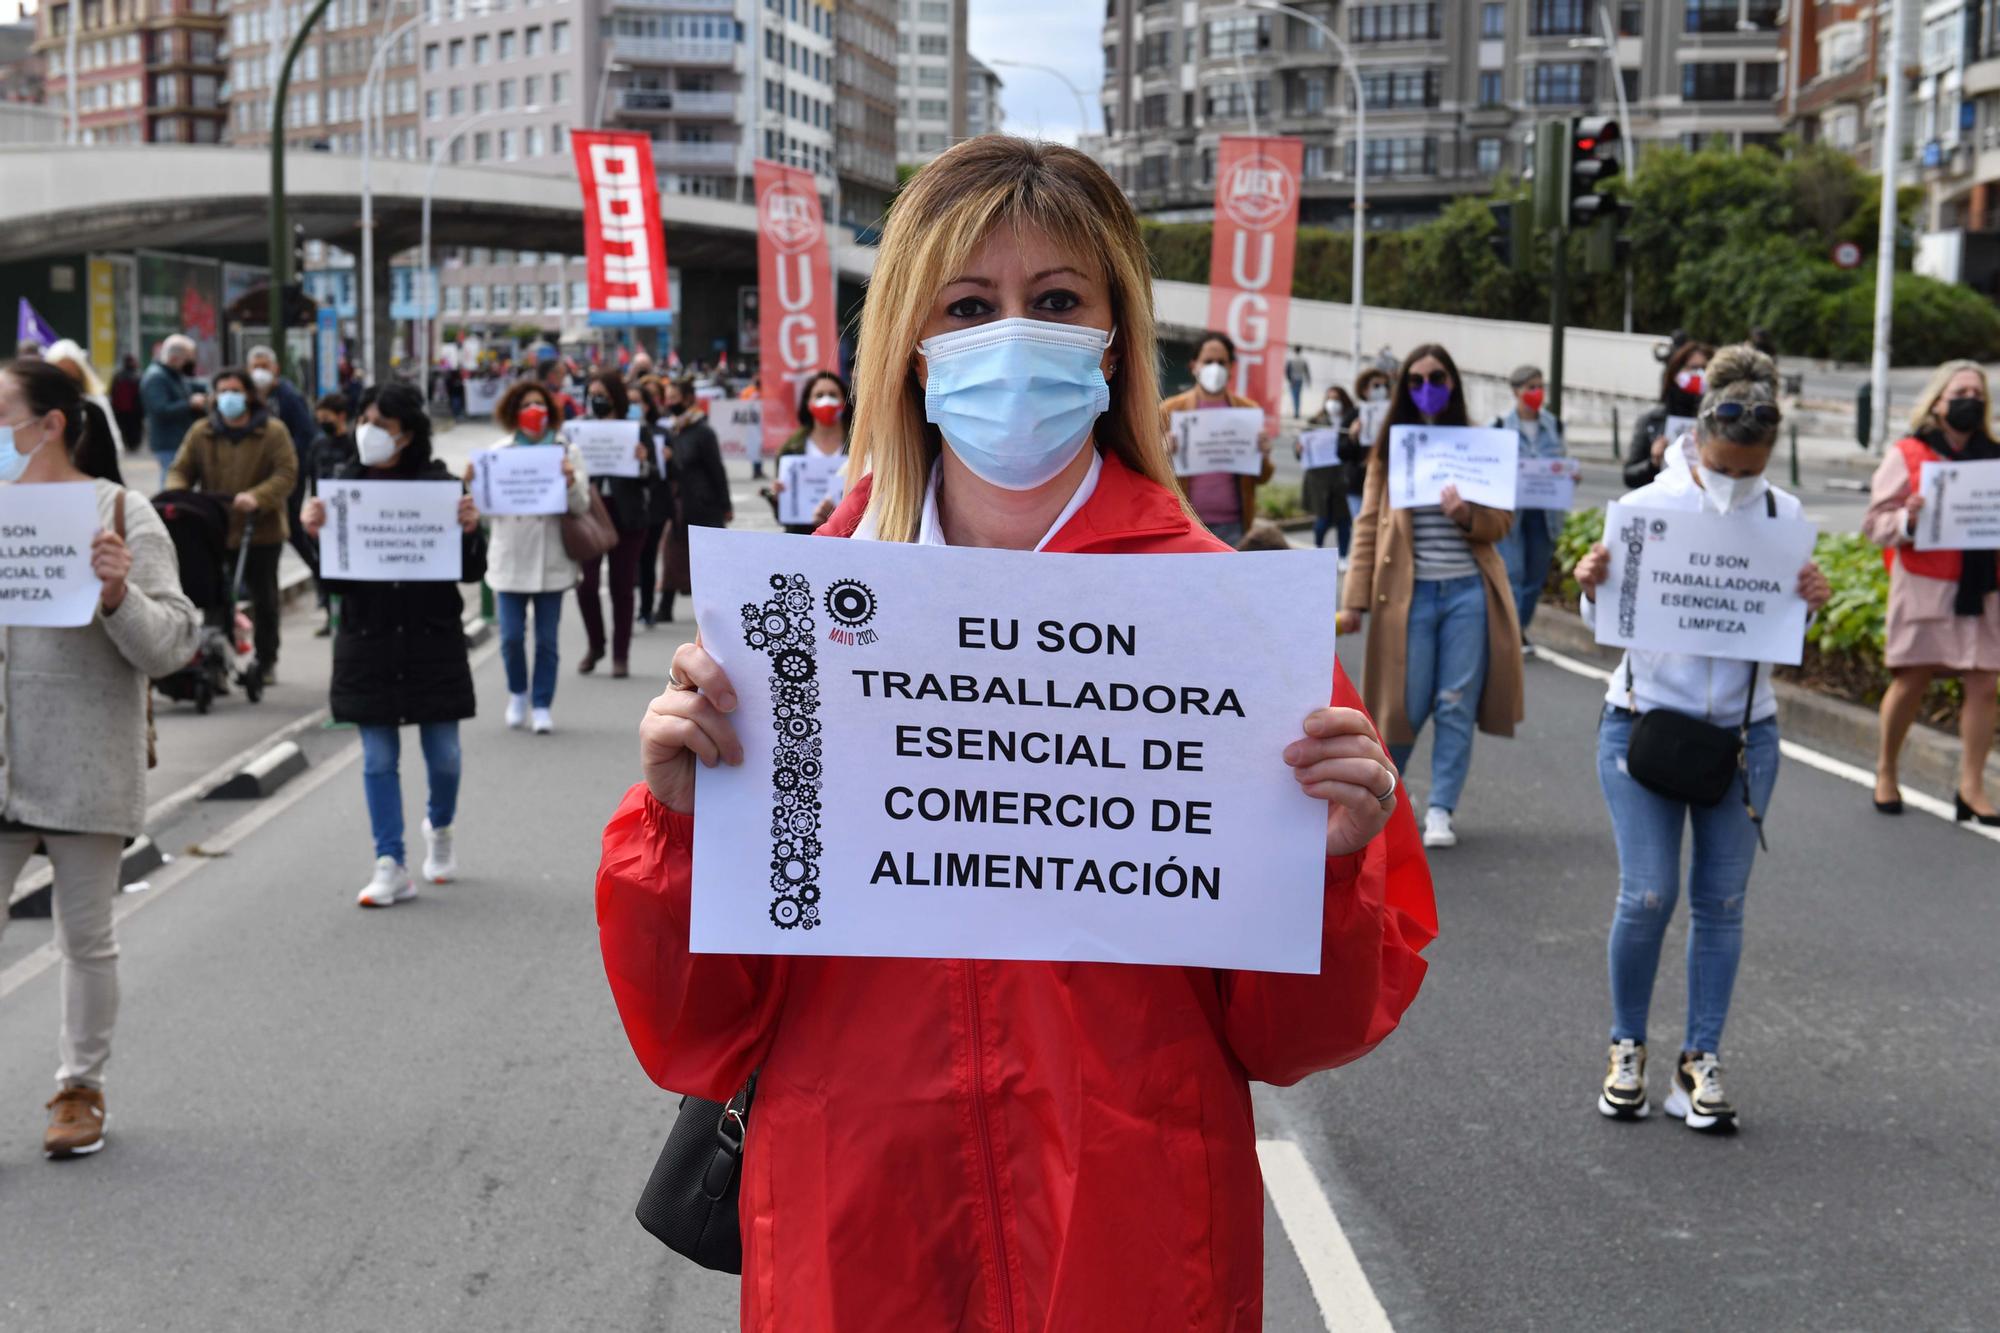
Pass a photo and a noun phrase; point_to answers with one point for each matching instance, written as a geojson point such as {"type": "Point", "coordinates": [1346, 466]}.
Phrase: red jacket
{"type": "Point", "coordinates": [1004, 1146]}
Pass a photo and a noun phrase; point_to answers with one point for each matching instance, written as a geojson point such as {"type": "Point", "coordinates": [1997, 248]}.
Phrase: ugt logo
{"type": "Point", "coordinates": [1259, 193]}
{"type": "Point", "coordinates": [790, 217]}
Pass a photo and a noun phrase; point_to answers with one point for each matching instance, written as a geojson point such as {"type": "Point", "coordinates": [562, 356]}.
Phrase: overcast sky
{"type": "Point", "coordinates": [1067, 34]}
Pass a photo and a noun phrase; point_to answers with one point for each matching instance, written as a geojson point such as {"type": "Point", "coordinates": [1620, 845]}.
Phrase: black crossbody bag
{"type": "Point", "coordinates": [689, 1203]}
{"type": "Point", "coordinates": [1687, 759]}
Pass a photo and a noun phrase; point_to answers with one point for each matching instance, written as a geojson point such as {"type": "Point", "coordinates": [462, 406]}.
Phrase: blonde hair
{"type": "Point", "coordinates": [65, 352]}
{"type": "Point", "coordinates": [1927, 401]}
{"type": "Point", "coordinates": [1739, 374]}
{"type": "Point", "coordinates": [944, 214]}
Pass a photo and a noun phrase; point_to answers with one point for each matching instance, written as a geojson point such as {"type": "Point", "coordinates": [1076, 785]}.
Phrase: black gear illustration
{"type": "Point", "coordinates": [850, 603]}
{"type": "Point", "coordinates": [809, 894]}
{"type": "Point", "coordinates": [793, 664]}
{"type": "Point", "coordinates": [786, 913]}
{"type": "Point", "coordinates": [782, 627]}
{"type": "Point", "coordinates": [798, 599]}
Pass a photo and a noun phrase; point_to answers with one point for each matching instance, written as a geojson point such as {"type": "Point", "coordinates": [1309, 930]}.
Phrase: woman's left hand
{"type": "Point", "coordinates": [468, 513]}
{"type": "Point", "coordinates": [823, 513]}
{"type": "Point", "coordinates": [1814, 587]}
{"type": "Point", "coordinates": [1339, 761]}
{"type": "Point", "coordinates": [111, 561]}
{"type": "Point", "coordinates": [1456, 507]}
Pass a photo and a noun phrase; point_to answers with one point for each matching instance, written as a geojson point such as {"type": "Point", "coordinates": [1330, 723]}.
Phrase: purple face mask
{"type": "Point", "coordinates": [1431, 399]}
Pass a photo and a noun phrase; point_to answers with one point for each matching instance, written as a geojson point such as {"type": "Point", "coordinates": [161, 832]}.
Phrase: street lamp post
{"type": "Point", "coordinates": [1885, 232]}
{"type": "Point", "coordinates": [425, 289]}
{"type": "Point", "coordinates": [70, 18]}
{"type": "Point", "coordinates": [1082, 107]}
{"type": "Point", "coordinates": [370, 116]}
{"type": "Point", "coordinates": [1360, 147]}
{"type": "Point", "coordinates": [281, 222]}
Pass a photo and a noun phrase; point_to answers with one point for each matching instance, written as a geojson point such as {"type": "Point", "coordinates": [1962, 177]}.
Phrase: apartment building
{"type": "Point", "coordinates": [1453, 91]}
{"type": "Point", "coordinates": [864, 140]}
{"type": "Point", "coordinates": [147, 71]}
{"type": "Point", "coordinates": [983, 114]}
{"type": "Point", "coordinates": [792, 48]}
{"type": "Point", "coordinates": [20, 67]}
{"type": "Point", "coordinates": [504, 82]}
{"type": "Point", "coordinates": [323, 102]}
{"type": "Point", "coordinates": [932, 77]}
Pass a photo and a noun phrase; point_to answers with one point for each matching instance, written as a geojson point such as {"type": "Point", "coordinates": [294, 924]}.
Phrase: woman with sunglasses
{"type": "Point", "coordinates": [1736, 426]}
{"type": "Point", "coordinates": [1446, 647]}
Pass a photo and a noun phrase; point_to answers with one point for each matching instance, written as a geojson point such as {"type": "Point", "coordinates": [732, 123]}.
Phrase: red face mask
{"type": "Point", "coordinates": [533, 419]}
{"type": "Point", "coordinates": [826, 411]}
{"type": "Point", "coordinates": [1532, 399]}
{"type": "Point", "coordinates": [1690, 380]}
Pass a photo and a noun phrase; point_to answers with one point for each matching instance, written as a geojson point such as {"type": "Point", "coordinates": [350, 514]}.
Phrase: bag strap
{"type": "Point", "coordinates": [1749, 704]}
{"type": "Point", "coordinates": [118, 515]}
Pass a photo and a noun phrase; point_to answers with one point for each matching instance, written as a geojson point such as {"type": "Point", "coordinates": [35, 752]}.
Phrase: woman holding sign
{"type": "Point", "coordinates": [399, 658]}
{"type": "Point", "coordinates": [1531, 545]}
{"type": "Point", "coordinates": [1736, 426]}
{"type": "Point", "coordinates": [825, 414]}
{"type": "Point", "coordinates": [943, 1144]}
{"type": "Point", "coordinates": [74, 744]}
{"type": "Point", "coordinates": [1225, 502]}
{"type": "Point", "coordinates": [605, 399]}
{"type": "Point", "coordinates": [1663, 425]}
{"type": "Point", "coordinates": [1944, 605]}
{"type": "Point", "coordinates": [1446, 647]}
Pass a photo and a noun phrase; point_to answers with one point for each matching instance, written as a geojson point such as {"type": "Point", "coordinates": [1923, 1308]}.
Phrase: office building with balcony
{"type": "Point", "coordinates": [1831, 77]}
{"type": "Point", "coordinates": [679, 71]}
{"type": "Point", "coordinates": [505, 85]}
{"type": "Point", "coordinates": [864, 106]}
{"type": "Point", "coordinates": [932, 77]}
{"type": "Point", "coordinates": [147, 71]}
{"type": "Point", "coordinates": [323, 104]}
{"type": "Point", "coordinates": [792, 47]}
{"type": "Point", "coordinates": [983, 114]}
{"type": "Point", "coordinates": [1453, 91]}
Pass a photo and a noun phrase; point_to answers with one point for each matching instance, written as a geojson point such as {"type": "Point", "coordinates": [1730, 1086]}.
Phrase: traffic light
{"type": "Point", "coordinates": [1605, 249]}
{"type": "Point", "coordinates": [1591, 141]}
{"type": "Point", "coordinates": [1513, 237]}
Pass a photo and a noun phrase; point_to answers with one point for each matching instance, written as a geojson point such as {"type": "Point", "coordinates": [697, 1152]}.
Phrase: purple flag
{"type": "Point", "coordinates": [31, 327]}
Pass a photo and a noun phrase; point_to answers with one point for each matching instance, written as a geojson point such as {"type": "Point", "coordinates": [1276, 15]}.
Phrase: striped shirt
{"type": "Point", "coordinates": [1441, 548]}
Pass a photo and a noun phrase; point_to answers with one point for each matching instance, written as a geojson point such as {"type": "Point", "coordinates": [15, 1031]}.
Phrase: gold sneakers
{"type": "Point", "coordinates": [1623, 1096]}
{"type": "Point", "coordinates": [76, 1123]}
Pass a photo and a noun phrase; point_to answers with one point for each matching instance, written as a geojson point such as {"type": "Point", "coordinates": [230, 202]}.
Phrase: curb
{"type": "Point", "coordinates": [33, 899]}
{"type": "Point", "coordinates": [1844, 730]}
{"type": "Point", "coordinates": [262, 775]}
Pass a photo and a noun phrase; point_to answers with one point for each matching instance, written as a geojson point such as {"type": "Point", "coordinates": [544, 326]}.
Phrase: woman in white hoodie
{"type": "Point", "coordinates": [1733, 435]}
{"type": "Point", "coordinates": [526, 565]}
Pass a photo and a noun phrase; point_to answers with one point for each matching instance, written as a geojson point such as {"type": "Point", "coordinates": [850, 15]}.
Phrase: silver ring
{"type": "Point", "coordinates": [674, 682]}
{"type": "Point", "coordinates": [1387, 800]}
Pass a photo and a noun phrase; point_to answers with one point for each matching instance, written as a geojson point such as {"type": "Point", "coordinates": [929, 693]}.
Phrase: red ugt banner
{"type": "Point", "coordinates": [796, 335]}
{"type": "Point", "coordinates": [621, 228]}
{"type": "Point", "coordinates": [1250, 266]}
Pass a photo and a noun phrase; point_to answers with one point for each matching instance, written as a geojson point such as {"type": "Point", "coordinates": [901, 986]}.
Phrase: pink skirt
{"type": "Point", "coordinates": [1922, 629]}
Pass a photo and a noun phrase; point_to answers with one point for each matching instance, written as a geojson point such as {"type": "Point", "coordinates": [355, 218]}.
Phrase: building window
{"type": "Point", "coordinates": [1156, 49]}
{"type": "Point", "coordinates": [559, 89]}
{"type": "Point", "coordinates": [1760, 81]}
{"type": "Point", "coordinates": [1244, 35]}
{"type": "Point", "coordinates": [455, 53]}
{"type": "Point", "coordinates": [1486, 156]}
{"type": "Point", "coordinates": [1560, 18]}
{"type": "Point", "coordinates": [1491, 89]}
{"type": "Point", "coordinates": [534, 145]}
{"type": "Point", "coordinates": [503, 298]}
{"type": "Point", "coordinates": [1565, 83]}
{"type": "Point", "coordinates": [558, 37]}
{"type": "Point", "coordinates": [1153, 111]}
{"type": "Point", "coordinates": [507, 46]}
{"type": "Point", "coordinates": [457, 100]}
{"type": "Point", "coordinates": [531, 42]}
{"type": "Point", "coordinates": [1399, 157]}
{"type": "Point", "coordinates": [478, 97]}
{"type": "Point", "coordinates": [1394, 90]}
{"type": "Point", "coordinates": [1393, 23]}
{"type": "Point", "coordinates": [1493, 20]}
{"type": "Point", "coordinates": [482, 49]}
{"type": "Point", "coordinates": [1631, 18]}
{"type": "Point", "coordinates": [1630, 78]}
{"type": "Point", "coordinates": [1713, 15]}
{"type": "Point", "coordinates": [531, 90]}
{"type": "Point", "coordinates": [1708, 82]}
{"type": "Point", "coordinates": [552, 298]}
{"type": "Point", "coordinates": [1227, 102]}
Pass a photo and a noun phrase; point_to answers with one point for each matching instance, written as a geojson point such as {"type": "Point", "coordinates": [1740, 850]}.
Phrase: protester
{"type": "Point", "coordinates": [658, 439]}
{"type": "Point", "coordinates": [331, 450]}
{"type": "Point", "coordinates": [526, 566]}
{"type": "Point", "coordinates": [281, 396]}
{"type": "Point", "coordinates": [1446, 646]}
{"type": "Point", "coordinates": [400, 657]}
{"type": "Point", "coordinates": [1680, 396]}
{"type": "Point", "coordinates": [1944, 606]}
{"type": "Point", "coordinates": [1107, 1105]}
{"type": "Point", "coordinates": [701, 486]}
{"type": "Point", "coordinates": [241, 451]}
{"type": "Point", "coordinates": [97, 452]}
{"type": "Point", "coordinates": [171, 406]}
{"type": "Point", "coordinates": [74, 743]}
{"type": "Point", "coordinates": [127, 408]}
{"type": "Point", "coordinates": [1324, 489]}
{"type": "Point", "coordinates": [826, 413]}
{"type": "Point", "coordinates": [1225, 502]}
{"type": "Point", "coordinates": [605, 399]}
{"type": "Point", "coordinates": [1298, 374]}
{"type": "Point", "coordinates": [1737, 423]}
{"type": "Point", "coordinates": [554, 375]}
{"type": "Point", "coordinates": [1529, 548]}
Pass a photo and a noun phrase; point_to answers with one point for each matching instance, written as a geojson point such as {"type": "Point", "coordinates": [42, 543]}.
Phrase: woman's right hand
{"type": "Point", "coordinates": [1660, 451]}
{"type": "Point", "coordinates": [688, 721]}
{"type": "Point", "coordinates": [1347, 622]}
{"type": "Point", "coordinates": [569, 471]}
{"type": "Point", "coordinates": [1594, 568]}
{"type": "Point", "coordinates": [312, 516]}
{"type": "Point", "coordinates": [1911, 508]}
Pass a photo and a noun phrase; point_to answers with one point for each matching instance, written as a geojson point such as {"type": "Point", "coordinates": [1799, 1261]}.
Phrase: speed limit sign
{"type": "Point", "coordinates": [1846, 254]}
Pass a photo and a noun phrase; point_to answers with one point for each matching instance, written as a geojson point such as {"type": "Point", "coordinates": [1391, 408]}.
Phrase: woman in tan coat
{"type": "Point", "coordinates": [1445, 628]}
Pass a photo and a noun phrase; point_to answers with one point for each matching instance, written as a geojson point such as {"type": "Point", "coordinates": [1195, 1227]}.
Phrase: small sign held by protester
{"type": "Point", "coordinates": [808, 478]}
{"type": "Point", "coordinates": [1706, 585]}
{"type": "Point", "coordinates": [383, 531]}
{"type": "Point", "coordinates": [1482, 461]}
{"type": "Point", "coordinates": [1961, 507]}
{"type": "Point", "coordinates": [1547, 483]}
{"type": "Point", "coordinates": [519, 480]}
{"type": "Point", "coordinates": [739, 426]}
{"type": "Point", "coordinates": [1218, 439]}
{"type": "Point", "coordinates": [45, 536]}
{"type": "Point", "coordinates": [1320, 448]}
{"type": "Point", "coordinates": [609, 448]}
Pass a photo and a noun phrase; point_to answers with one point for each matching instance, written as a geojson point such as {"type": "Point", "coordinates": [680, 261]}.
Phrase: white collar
{"type": "Point", "coordinates": [931, 533]}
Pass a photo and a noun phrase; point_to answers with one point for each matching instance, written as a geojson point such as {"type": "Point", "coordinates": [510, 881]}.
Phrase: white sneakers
{"type": "Point", "coordinates": [517, 711]}
{"type": "Point", "coordinates": [440, 866]}
{"type": "Point", "coordinates": [1438, 831]}
{"type": "Point", "coordinates": [544, 724]}
{"type": "Point", "coordinates": [390, 886]}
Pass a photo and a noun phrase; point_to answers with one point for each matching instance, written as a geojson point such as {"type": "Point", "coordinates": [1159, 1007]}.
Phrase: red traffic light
{"type": "Point", "coordinates": [1593, 133]}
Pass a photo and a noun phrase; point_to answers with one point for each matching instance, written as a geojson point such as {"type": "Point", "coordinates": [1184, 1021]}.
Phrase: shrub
{"type": "Point", "coordinates": [1279, 501]}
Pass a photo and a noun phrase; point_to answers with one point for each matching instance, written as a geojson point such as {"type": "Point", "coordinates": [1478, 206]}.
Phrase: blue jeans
{"type": "Point", "coordinates": [514, 637]}
{"type": "Point", "coordinates": [1445, 674]}
{"type": "Point", "coordinates": [381, 747]}
{"type": "Point", "coordinates": [165, 458]}
{"type": "Point", "coordinates": [1528, 550]}
{"type": "Point", "coordinates": [1648, 828]}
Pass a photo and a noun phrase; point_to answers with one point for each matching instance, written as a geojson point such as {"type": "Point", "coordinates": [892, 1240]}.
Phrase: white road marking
{"type": "Point", "coordinates": [1346, 1302]}
{"type": "Point", "coordinates": [1825, 763]}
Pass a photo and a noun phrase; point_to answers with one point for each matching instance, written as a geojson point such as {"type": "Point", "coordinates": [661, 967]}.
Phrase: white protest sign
{"type": "Point", "coordinates": [1961, 507]}
{"type": "Point", "coordinates": [962, 753]}
{"type": "Point", "coordinates": [1681, 448]}
{"type": "Point", "coordinates": [808, 478]}
{"type": "Point", "coordinates": [1218, 439]}
{"type": "Point", "coordinates": [45, 535]}
{"type": "Point", "coordinates": [381, 531]}
{"type": "Point", "coordinates": [482, 394]}
{"type": "Point", "coordinates": [1371, 420]}
{"type": "Point", "coordinates": [1709, 585]}
{"type": "Point", "coordinates": [1480, 460]}
{"type": "Point", "coordinates": [739, 426]}
{"type": "Point", "coordinates": [519, 479]}
{"type": "Point", "coordinates": [609, 448]}
{"type": "Point", "coordinates": [1320, 448]}
{"type": "Point", "coordinates": [1547, 483]}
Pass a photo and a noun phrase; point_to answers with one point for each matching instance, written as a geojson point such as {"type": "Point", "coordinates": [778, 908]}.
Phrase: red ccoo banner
{"type": "Point", "coordinates": [622, 237]}
{"type": "Point", "coordinates": [796, 334]}
{"type": "Point", "coordinates": [1250, 267]}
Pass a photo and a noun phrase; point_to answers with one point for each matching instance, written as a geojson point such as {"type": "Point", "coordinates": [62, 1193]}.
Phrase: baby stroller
{"type": "Point", "coordinates": [199, 526]}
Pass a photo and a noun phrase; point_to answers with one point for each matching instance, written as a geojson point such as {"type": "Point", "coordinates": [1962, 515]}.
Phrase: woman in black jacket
{"type": "Point", "coordinates": [651, 395]}
{"type": "Point", "coordinates": [700, 484]}
{"type": "Point", "coordinates": [605, 399]}
{"type": "Point", "coordinates": [1680, 397]}
{"type": "Point", "coordinates": [400, 657]}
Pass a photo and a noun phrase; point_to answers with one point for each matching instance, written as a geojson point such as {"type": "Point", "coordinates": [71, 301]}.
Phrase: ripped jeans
{"type": "Point", "coordinates": [1648, 828]}
{"type": "Point", "coordinates": [1443, 679]}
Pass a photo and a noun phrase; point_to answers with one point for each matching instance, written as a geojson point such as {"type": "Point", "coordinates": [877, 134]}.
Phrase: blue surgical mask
{"type": "Point", "coordinates": [231, 403]}
{"type": "Point", "coordinates": [1016, 399]}
{"type": "Point", "coordinates": [13, 462]}
{"type": "Point", "coordinates": [634, 412]}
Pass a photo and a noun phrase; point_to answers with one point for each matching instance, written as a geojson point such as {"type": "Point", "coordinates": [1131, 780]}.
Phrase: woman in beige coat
{"type": "Point", "coordinates": [1445, 632]}
{"type": "Point", "coordinates": [73, 730]}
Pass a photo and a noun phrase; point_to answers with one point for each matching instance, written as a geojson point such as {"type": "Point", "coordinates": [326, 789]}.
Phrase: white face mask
{"type": "Point", "coordinates": [1213, 377]}
{"type": "Point", "coordinates": [1727, 493]}
{"type": "Point", "coordinates": [373, 445]}
{"type": "Point", "coordinates": [262, 378]}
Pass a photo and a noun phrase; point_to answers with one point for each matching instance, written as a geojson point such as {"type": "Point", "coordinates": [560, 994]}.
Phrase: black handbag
{"type": "Point", "coordinates": [689, 1203]}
